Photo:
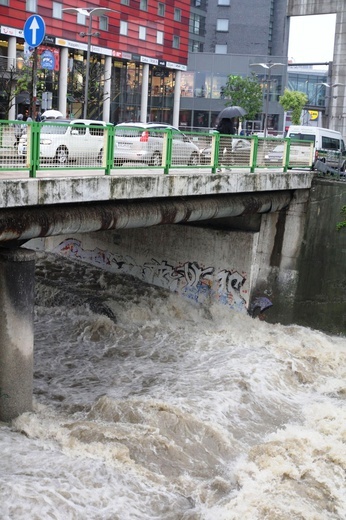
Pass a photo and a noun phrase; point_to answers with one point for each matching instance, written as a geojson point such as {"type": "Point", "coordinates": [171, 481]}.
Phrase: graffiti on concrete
{"type": "Point", "coordinates": [193, 281]}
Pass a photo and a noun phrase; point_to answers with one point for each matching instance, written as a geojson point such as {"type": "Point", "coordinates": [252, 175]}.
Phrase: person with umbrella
{"type": "Point", "coordinates": [226, 126]}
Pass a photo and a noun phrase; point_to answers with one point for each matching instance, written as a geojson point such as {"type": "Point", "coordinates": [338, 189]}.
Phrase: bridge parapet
{"type": "Point", "coordinates": [149, 185]}
{"type": "Point", "coordinates": [69, 145]}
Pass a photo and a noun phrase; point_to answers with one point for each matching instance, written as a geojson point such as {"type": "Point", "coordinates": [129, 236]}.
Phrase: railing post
{"type": "Point", "coordinates": [167, 150]}
{"type": "Point", "coordinates": [33, 147]}
{"type": "Point", "coordinates": [287, 151]}
{"type": "Point", "coordinates": [254, 152]}
{"type": "Point", "coordinates": [215, 151]}
{"type": "Point", "coordinates": [109, 149]}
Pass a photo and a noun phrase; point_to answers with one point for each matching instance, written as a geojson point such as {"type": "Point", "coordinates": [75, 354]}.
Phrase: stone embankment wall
{"type": "Point", "coordinates": [320, 300]}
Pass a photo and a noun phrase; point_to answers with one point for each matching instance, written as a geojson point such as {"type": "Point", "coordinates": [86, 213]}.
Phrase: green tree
{"type": "Point", "coordinates": [245, 92]}
{"type": "Point", "coordinates": [343, 223]}
{"type": "Point", "coordinates": [11, 81]}
{"type": "Point", "coordinates": [295, 101]}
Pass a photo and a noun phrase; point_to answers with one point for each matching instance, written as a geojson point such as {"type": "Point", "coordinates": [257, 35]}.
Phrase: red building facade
{"type": "Point", "coordinates": [137, 50]}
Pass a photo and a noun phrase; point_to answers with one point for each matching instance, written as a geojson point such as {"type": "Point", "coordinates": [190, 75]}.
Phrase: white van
{"type": "Point", "coordinates": [64, 140]}
{"type": "Point", "coordinates": [329, 146]}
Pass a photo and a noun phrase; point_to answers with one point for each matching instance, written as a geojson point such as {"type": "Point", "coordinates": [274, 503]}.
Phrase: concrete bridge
{"type": "Point", "coordinates": [240, 239]}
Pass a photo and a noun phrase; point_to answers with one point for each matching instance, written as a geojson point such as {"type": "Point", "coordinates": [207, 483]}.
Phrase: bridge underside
{"type": "Point", "coordinates": [141, 238]}
{"type": "Point", "coordinates": [337, 114]}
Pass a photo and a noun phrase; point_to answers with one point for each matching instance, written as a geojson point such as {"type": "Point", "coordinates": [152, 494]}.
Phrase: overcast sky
{"type": "Point", "coordinates": [311, 38]}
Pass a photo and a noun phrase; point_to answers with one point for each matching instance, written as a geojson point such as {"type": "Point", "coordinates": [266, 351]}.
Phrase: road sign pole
{"type": "Point", "coordinates": [34, 32]}
{"type": "Point", "coordinates": [34, 85]}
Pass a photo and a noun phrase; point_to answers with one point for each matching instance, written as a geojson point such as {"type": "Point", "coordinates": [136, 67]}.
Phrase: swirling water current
{"type": "Point", "coordinates": [147, 407]}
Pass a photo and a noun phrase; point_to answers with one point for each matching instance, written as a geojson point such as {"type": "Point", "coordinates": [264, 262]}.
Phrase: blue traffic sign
{"type": "Point", "coordinates": [34, 30]}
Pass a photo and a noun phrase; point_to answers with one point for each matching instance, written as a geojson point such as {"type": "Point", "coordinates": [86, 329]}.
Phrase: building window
{"type": "Point", "coordinates": [103, 23]}
{"type": "Point", "coordinates": [142, 33]}
{"type": "Point", "coordinates": [143, 5]}
{"type": "Point", "coordinates": [196, 46]}
{"type": "Point", "coordinates": [201, 4]}
{"type": "Point", "coordinates": [223, 2]}
{"type": "Point", "coordinates": [31, 5]}
{"type": "Point", "coordinates": [159, 37]}
{"type": "Point", "coordinates": [81, 19]}
{"type": "Point", "coordinates": [57, 10]}
{"type": "Point", "coordinates": [125, 2]}
{"type": "Point", "coordinates": [222, 24]}
{"type": "Point", "coordinates": [176, 42]}
{"type": "Point", "coordinates": [161, 9]}
{"type": "Point", "coordinates": [4, 2]}
{"type": "Point", "coordinates": [177, 14]}
{"type": "Point", "coordinates": [220, 49]}
{"type": "Point", "coordinates": [123, 28]}
{"type": "Point", "coordinates": [195, 24]}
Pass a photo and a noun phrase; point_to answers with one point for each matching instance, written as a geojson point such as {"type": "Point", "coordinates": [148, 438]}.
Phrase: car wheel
{"type": "Point", "coordinates": [156, 159]}
{"type": "Point", "coordinates": [61, 155]}
{"type": "Point", "coordinates": [193, 159]}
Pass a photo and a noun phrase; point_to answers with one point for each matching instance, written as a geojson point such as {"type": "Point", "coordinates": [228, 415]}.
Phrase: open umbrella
{"type": "Point", "coordinates": [230, 112]}
{"type": "Point", "coordinates": [260, 303]}
{"type": "Point", "coordinates": [52, 114]}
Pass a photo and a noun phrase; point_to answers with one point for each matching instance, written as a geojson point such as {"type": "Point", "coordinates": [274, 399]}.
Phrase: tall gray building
{"type": "Point", "coordinates": [239, 27]}
{"type": "Point", "coordinates": [231, 35]}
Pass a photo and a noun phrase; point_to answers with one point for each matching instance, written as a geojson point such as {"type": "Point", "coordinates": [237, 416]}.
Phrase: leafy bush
{"type": "Point", "coordinates": [294, 101]}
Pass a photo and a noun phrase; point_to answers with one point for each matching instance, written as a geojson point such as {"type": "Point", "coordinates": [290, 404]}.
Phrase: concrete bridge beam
{"type": "Point", "coordinates": [17, 280]}
{"type": "Point", "coordinates": [21, 224]}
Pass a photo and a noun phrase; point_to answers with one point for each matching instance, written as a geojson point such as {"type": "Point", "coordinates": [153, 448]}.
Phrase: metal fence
{"type": "Point", "coordinates": [53, 145]}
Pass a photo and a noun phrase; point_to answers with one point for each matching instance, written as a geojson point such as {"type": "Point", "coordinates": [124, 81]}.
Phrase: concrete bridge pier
{"type": "Point", "coordinates": [279, 248]}
{"type": "Point", "coordinates": [17, 283]}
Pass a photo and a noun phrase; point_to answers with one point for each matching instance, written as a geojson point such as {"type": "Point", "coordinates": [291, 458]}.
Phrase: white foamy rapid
{"type": "Point", "coordinates": [147, 407]}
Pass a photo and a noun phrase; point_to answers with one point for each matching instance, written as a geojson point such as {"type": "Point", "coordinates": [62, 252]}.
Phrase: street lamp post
{"type": "Point", "coordinates": [327, 86]}
{"type": "Point", "coordinates": [269, 67]}
{"type": "Point", "coordinates": [97, 11]}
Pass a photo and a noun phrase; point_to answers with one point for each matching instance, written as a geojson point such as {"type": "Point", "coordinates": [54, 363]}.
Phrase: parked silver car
{"type": "Point", "coordinates": [145, 143]}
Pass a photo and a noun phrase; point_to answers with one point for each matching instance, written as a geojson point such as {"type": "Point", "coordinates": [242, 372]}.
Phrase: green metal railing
{"type": "Point", "coordinates": [44, 146]}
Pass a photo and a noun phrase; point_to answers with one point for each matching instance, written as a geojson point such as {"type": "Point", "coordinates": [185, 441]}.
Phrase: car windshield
{"type": "Point", "coordinates": [133, 131]}
{"type": "Point", "coordinates": [129, 132]}
{"type": "Point", "coordinates": [54, 129]}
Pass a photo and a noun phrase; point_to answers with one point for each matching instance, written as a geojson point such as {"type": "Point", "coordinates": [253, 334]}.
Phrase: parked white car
{"type": "Point", "coordinates": [144, 142]}
{"type": "Point", "coordinates": [63, 140]}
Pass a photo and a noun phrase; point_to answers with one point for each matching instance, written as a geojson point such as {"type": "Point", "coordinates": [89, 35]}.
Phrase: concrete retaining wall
{"type": "Point", "coordinates": [320, 301]}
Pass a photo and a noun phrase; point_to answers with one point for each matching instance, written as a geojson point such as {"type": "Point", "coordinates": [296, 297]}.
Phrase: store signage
{"type": "Point", "coordinates": [49, 39]}
{"type": "Point", "coordinates": [47, 60]}
{"type": "Point", "coordinates": [177, 66]}
{"type": "Point", "coordinates": [10, 31]}
{"type": "Point", "coordinates": [151, 61]}
{"type": "Point", "coordinates": [313, 114]}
